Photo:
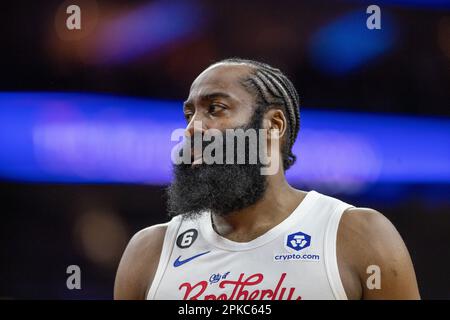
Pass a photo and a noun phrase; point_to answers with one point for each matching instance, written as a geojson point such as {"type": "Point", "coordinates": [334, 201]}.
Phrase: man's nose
{"type": "Point", "coordinates": [195, 126]}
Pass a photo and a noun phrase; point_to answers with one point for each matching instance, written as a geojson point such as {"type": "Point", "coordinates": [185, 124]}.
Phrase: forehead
{"type": "Point", "coordinates": [223, 78]}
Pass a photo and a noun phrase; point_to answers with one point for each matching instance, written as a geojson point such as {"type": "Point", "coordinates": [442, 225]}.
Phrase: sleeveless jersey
{"type": "Point", "coordinates": [295, 260]}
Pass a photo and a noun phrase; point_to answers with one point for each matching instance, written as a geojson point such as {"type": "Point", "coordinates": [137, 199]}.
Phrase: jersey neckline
{"type": "Point", "coordinates": [211, 236]}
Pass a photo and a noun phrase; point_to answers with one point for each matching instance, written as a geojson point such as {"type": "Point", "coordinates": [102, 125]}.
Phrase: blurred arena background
{"type": "Point", "coordinates": [86, 117]}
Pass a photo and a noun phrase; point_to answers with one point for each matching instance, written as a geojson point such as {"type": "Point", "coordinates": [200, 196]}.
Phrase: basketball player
{"type": "Point", "coordinates": [237, 234]}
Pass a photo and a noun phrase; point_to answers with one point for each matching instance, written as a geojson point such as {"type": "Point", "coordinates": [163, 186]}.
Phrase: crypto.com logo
{"type": "Point", "coordinates": [298, 241]}
{"type": "Point", "coordinates": [214, 151]}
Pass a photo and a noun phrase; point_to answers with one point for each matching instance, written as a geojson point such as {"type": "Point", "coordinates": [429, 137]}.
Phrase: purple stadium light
{"type": "Point", "coordinates": [85, 138]}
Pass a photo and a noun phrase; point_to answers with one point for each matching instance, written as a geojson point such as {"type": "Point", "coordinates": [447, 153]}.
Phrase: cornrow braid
{"type": "Point", "coordinates": [273, 88]}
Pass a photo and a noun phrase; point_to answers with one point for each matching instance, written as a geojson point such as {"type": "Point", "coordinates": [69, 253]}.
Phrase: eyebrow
{"type": "Point", "coordinates": [209, 96]}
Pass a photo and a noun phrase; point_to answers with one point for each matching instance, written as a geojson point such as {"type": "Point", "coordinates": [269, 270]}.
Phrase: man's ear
{"type": "Point", "coordinates": [275, 119]}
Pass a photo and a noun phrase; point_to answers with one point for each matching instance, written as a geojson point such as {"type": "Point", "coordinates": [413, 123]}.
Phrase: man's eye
{"type": "Point", "coordinates": [215, 108]}
{"type": "Point", "coordinates": [188, 116]}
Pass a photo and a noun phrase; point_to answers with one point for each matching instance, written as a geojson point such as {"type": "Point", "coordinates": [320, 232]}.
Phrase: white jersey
{"type": "Point", "coordinates": [295, 260]}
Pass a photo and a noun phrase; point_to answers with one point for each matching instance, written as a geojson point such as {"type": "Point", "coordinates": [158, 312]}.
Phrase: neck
{"type": "Point", "coordinates": [278, 202]}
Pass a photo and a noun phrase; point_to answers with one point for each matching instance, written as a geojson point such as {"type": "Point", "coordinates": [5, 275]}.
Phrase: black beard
{"type": "Point", "coordinates": [219, 188]}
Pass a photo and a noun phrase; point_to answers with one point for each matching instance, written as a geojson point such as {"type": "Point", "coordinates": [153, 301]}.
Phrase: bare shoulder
{"type": "Point", "coordinates": [139, 262]}
{"type": "Point", "coordinates": [370, 234]}
{"type": "Point", "coordinates": [368, 241]}
{"type": "Point", "coordinates": [365, 224]}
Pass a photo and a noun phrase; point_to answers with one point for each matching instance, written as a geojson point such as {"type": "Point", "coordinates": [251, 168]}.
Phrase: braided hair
{"type": "Point", "coordinates": [272, 88]}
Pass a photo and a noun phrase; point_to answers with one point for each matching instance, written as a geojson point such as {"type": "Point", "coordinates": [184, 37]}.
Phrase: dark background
{"type": "Point", "coordinates": [46, 227]}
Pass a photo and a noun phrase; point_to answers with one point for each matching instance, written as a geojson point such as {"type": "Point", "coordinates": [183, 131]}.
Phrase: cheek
{"type": "Point", "coordinates": [265, 124]}
{"type": "Point", "coordinates": [240, 117]}
{"type": "Point", "coordinates": [229, 120]}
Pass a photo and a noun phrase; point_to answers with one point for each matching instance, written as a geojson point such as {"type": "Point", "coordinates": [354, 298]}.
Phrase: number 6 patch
{"type": "Point", "coordinates": [187, 238]}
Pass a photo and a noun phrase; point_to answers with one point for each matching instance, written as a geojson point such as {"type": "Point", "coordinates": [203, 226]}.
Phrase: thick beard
{"type": "Point", "coordinates": [219, 188]}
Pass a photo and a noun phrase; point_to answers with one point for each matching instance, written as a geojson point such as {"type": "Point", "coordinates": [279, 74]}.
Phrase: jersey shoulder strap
{"type": "Point", "coordinates": [336, 209]}
{"type": "Point", "coordinates": [169, 240]}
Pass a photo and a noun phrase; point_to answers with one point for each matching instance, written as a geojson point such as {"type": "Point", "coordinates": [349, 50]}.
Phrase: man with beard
{"type": "Point", "coordinates": [238, 234]}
